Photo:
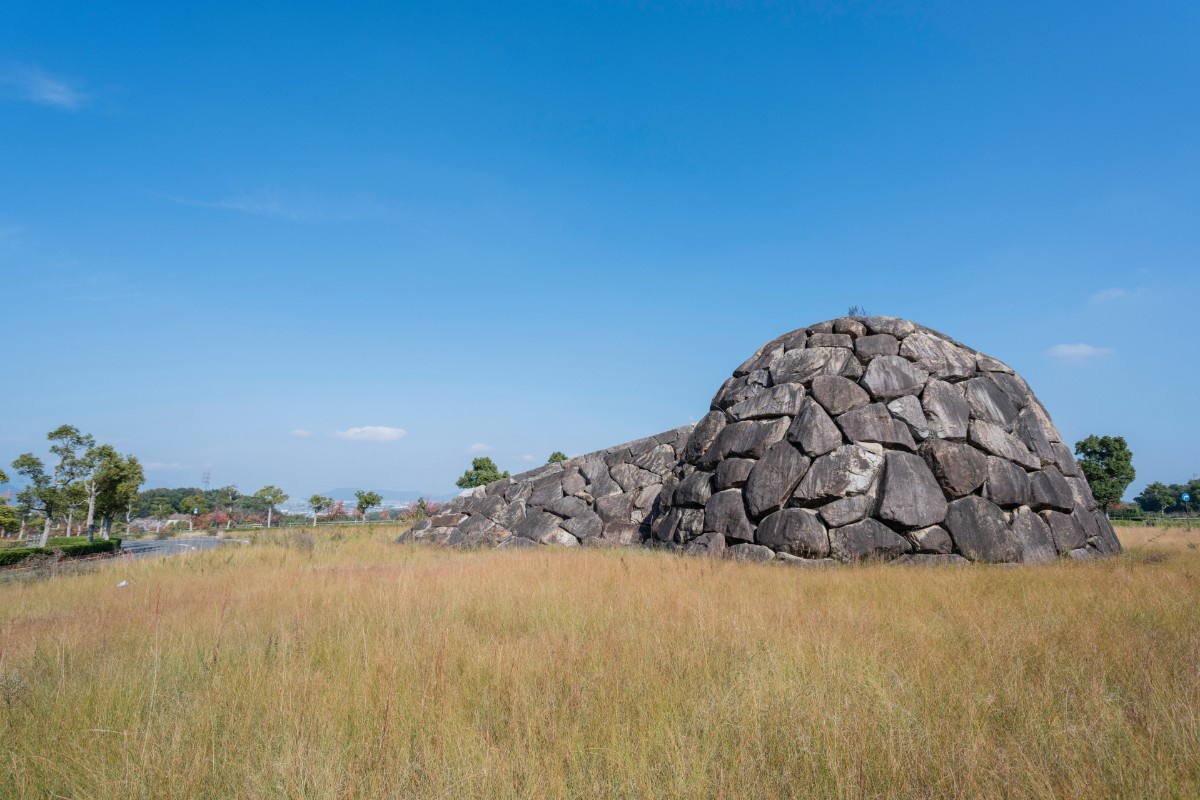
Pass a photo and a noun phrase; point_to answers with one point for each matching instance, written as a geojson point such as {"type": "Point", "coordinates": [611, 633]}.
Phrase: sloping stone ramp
{"type": "Point", "coordinates": [858, 438]}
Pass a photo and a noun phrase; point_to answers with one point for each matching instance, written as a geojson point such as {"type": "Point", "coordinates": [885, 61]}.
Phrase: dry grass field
{"type": "Point", "coordinates": [358, 668]}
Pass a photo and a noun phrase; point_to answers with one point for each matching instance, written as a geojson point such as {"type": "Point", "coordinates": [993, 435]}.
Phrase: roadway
{"type": "Point", "coordinates": [149, 548]}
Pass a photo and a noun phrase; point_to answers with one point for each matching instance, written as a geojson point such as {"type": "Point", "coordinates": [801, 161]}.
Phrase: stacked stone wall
{"type": "Point", "coordinates": [857, 438]}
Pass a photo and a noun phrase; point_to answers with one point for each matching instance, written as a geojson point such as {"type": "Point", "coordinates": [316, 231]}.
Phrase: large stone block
{"type": "Point", "coordinates": [909, 495]}
{"type": "Point", "coordinates": [889, 377]}
{"type": "Point", "coordinates": [813, 431]}
{"type": "Point", "coordinates": [838, 395]}
{"type": "Point", "coordinates": [980, 531]}
{"type": "Point", "coordinates": [725, 514]}
{"type": "Point", "coordinates": [867, 539]}
{"type": "Point", "coordinates": [958, 468]}
{"type": "Point", "coordinates": [848, 470]}
{"type": "Point", "coordinates": [797, 531]}
{"type": "Point", "coordinates": [773, 478]}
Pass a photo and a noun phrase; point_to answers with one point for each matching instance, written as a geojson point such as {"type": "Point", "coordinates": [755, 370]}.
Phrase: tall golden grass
{"type": "Point", "coordinates": [309, 668]}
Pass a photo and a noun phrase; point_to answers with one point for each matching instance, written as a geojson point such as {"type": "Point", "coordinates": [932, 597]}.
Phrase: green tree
{"type": "Point", "coordinates": [272, 496]}
{"type": "Point", "coordinates": [482, 472]}
{"type": "Point", "coordinates": [42, 493]}
{"type": "Point", "coordinates": [194, 504]}
{"type": "Point", "coordinates": [117, 480]}
{"type": "Point", "coordinates": [1156, 496]}
{"type": "Point", "coordinates": [71, 447]}
{"type": "Point", "coordinates": [9, 519]}
{"type": "Point", "coordinates": [1107, 463]}
{"type": "Point", "coordinates": [160, 509]}
{"type": "Point", "coordinates": [556, 456]}
{"type": "Point", "coordinates": [319, 504]}
{"type": "Point", "coordinates": [367, 501]}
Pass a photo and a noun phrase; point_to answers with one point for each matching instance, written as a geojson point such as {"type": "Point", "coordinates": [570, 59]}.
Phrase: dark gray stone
{"type": "Point", "coordinates": [946, 410]}
{"type": "Point", "coordinates": [849, 325]}
{"type": "Point", "coordinates": [909, 495]}
{"type": "Point", "coordinates": [694, 490]}
{"type": "Point", "coordinates": [1082, 554]}
{"type": "Point", "coordinates": [958, 468]}
{"type": "Point", "coordinates": [733, 472]}
{"type": "Point", "coordinates": [630, 477]}
{"type": "Point", "coordinates": [658, 460]}
{"type": "Point", "coordinates": [796, 531]}
{"type": "Point", "coordinates": [847, 510]}
{"type": "Point", "coordinates": [735, 390]}
{"type": "Point", "coordinates": [1016, 389]}
{"type": "Point", "coordinates": [989, 364]}
{"type": "Point", "coordinates": [1081, 494]}
{"type": "Point", "coordinates": [573, 483]}
{"type": "Point", "coordinates": [850, 469]}
{"type": "Point", "coordinates": [1048, 490]}
{"type": "Point", "coordinates": [879, 344]}
{"type": "Point", "coordinates": [725, 513]}
{"type": "Point", "coordinates": [567, 507]}
{"type": "Point", "coordinates": [908, 410]}
{"type": "Point", "coordinates": [893, 326]}
{"type": "Point", "coordinates": [511, 516]}
{"type": "Point", "coordinates": [830, 340]}
{"type": "Point", "coordinates": [709, 544]}
{"type": "Point", "coordinates": [993, 439]}
{"type": "Point", "coordinates": [867, 539]}
{"type": "Point", "coordinates": [749, 553]}
{"type": "Point", "coordinates": [939, 358]}
{"type": "Point", "coordinates": [1107, 533]}
{"type": "Point", "coordinates": [801, 366]}
{"type": "Point", "coordinates": [537, 525]}
{"type": "Point", "coordinates": [1007, 484]}
{"type": "Point", "coordinates": [748, 439]}
{"type": "Point", "coordinates": [1031, 433]}
{"type": "Point", "coordinates": [1065, 461]}
{"type": "Point", "coordinates": [615, 508]}
{"type": "Point", "coordinates": [705, 433]}
{"type": "Point", "coordinates": [475, 524]}
{"type": "Point", "coordinates": [980, 531]}
{"type": "Point", "coordinates": [1067, 534]}
{"type": "Point", "coordinates": [813, 431]}
{"type": "Point", "coordinates": [889, 377]}
{"type": "Point", "coordinates": [821, 327]}
{"type": "Point", "coordinates": [647, 496]}
{"type": "Point", "coordinates": [773, 478]}
{"type": "Point", "coordinates": [838, 395]}
{"type": "Point", "coordinates": [584, 526]}
{"type": "Point", "coordinates": [933, 539]}
{"type": "Point", "coordinates": [559, 537]}
{"type": "Point", "coordinates": [447, 520]}
{"type": "Point", "coordinates": [1034, 537]}
{"type": "Point", "coordinates": [778, 401]}
{"type": "Point", "coordinates": [874, 423]}
{"type": "Point", "coordinates": [989, 403]}
{"type": "Point", "coordinates": [762, 359]}
{"type": "Point", "coordinates": [546, 491]}
{"type": "Point", "coordinates": [521, 490]}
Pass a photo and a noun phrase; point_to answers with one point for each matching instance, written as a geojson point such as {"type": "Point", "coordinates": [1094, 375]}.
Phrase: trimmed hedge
{"type": "Point", "coordinates": [16, 555]}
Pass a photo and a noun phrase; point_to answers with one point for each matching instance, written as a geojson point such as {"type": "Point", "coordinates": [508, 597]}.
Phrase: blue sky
{"type": "Point", "coordinates": [353, 245]}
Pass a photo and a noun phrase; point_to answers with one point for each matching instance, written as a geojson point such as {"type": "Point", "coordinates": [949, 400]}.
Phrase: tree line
{"type": "Point", "coordinates": [81, 480]}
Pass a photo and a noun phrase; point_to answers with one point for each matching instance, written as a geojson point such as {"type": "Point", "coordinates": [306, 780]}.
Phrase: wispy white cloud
{"type": "Point", "coordinates": [34, 85]}
{"type": "Point", "coordinates": [1078, 352]}
{"type": "Point", "coordinates": [299, 206]}
{"type": "Point", "coordinates": [372, 433]}
{"type": "Point", "coordinates": [528, 457]}
{"type": "Point", "coordinates": [1114, 294]}
{"type": "Point", "coordinates": [480, 447]}
{"type": "Point", "coordinates": [300, 433]}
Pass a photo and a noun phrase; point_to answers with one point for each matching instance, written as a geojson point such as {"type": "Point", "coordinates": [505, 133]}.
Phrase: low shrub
{"type": "Point", "coordinates": [76, 549]}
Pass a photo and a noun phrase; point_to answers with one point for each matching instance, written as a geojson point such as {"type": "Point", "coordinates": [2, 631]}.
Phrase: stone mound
{"type": "Point", "coordinates": [857, 438]}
